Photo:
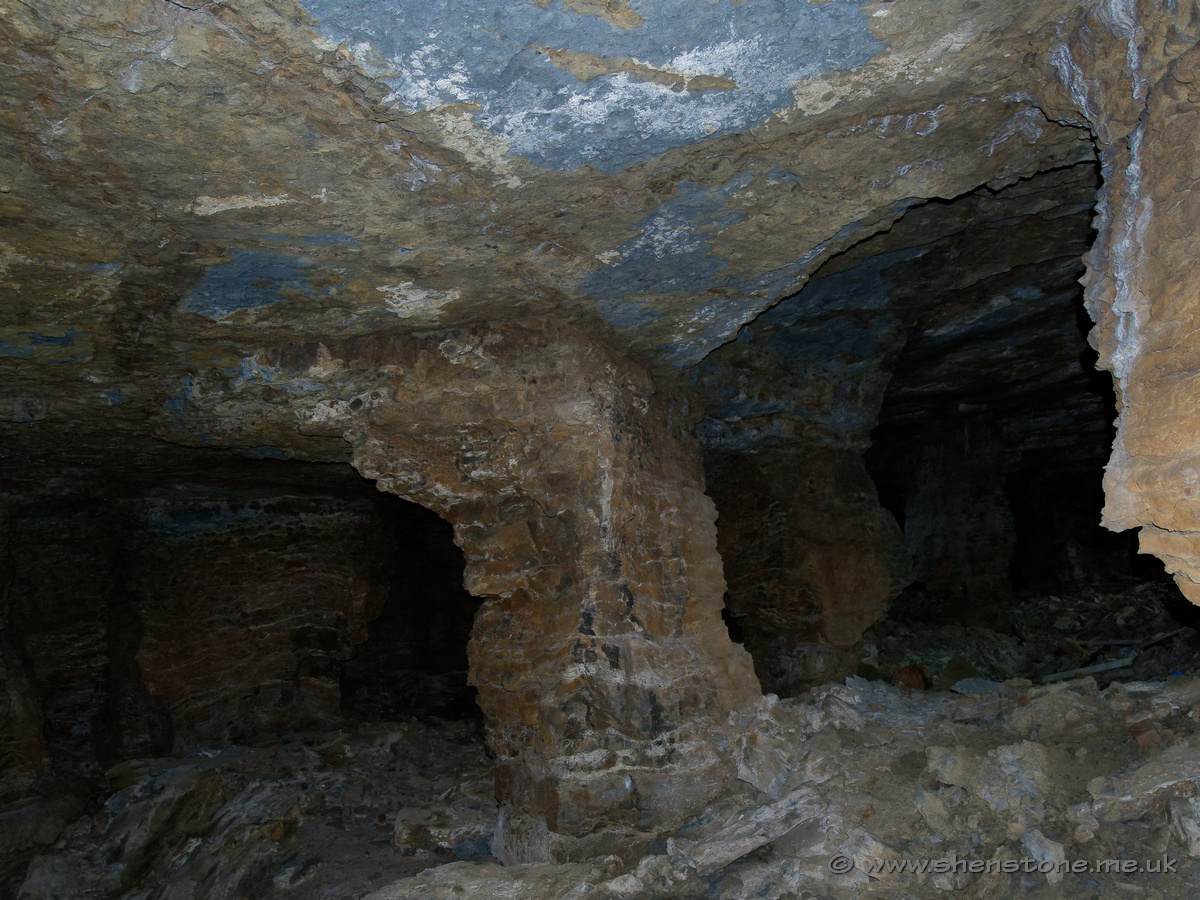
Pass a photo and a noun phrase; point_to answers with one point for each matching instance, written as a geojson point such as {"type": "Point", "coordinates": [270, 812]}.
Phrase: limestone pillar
{"type": "Point", "coordinates": [600, 656]}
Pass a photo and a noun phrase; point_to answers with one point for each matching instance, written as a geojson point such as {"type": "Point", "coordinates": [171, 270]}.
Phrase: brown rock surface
{"type": "Point", "coordinates": [811, 558]}
{"type": "Point", "coordinates": [510, 293]}
{"type": "Point", "coordinates": [600, 656]}
{"type": "Point", "coordinates": [1140, 283]}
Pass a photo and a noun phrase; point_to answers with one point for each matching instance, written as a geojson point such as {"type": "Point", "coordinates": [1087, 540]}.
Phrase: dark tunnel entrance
{"type": "Point", "coordinates": [907, 457]}
{"type": "Point", "coordinates": [414, 660]}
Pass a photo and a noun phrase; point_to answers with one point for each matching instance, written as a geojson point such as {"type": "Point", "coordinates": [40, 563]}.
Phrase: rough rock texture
{"type": "Point", "coordinates": [811, 557]}
{"type": "Point", "coordinates": [332, 815]}
{"type": "Point", "coordinates": [1138, 290]}
{"type": "Point", "coordinates": [952, 346]}
{"type": "Point", "coordinates": [190, 620]}
{"type": "Point", "coordinates": [496, 264]}
{"type": "Point", "coordinates": [852, 791]}
{"type": "Point", "coordinates": [600, 657]}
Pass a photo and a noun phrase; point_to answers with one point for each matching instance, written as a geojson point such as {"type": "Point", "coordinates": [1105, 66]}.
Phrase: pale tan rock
{"type": "Point", "coordinates": [1145, 788]}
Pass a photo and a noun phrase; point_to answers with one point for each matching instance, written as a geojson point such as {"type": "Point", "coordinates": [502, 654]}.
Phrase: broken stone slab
{"type": "Point", "coordinates": [1046, 852]}
{"type": "Point", "coordinates": [1185, 823]}
{"type": "Point", "coordinates": [1052, 713]}
{"type": "Point", "coordinates": [1008, 778]}
{"type": "Point", "coordinates": [981, 687]}
{"type": "Point", "coordinates": [750, 830]}
{"type": "Point", "coordinates": [1182, 692]}
{"type": "Point", "coordinates": [769, 749]}
{"type": "Point", "coordinates": [1109, 666]}
{"type": "Point", "coordinates": [870, 854]}
{"type": "Point", "coordinates": [935, 808]}
{"type": "Point", "coordinates": [1131, 794]}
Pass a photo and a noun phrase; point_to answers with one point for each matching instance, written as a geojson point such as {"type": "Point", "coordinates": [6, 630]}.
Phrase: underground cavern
{"type": "Point", "coordinates": [637, 449]}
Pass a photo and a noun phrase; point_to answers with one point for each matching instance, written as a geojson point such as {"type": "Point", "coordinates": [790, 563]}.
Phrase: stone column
{"type": "Point", "coordinates": [812, 558]}
{"type": "Point", "coordinates": [600, 656]}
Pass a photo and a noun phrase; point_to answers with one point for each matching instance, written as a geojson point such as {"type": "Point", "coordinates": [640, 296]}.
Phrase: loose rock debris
{"type": "Point", "coordinates": [851, 791]}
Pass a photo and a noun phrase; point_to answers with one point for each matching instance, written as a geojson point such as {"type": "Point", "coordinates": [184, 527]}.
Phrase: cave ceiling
{"type": "Point", "coordinates": [203, 205]}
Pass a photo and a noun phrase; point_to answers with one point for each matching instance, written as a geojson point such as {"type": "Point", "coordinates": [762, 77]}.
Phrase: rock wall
{"type": "Point", "coordinates": [948, 481]}
{"type": "Point", "coordinates": [246, 612]}
{"type": "Point", "coordinates": [134, 626]}
{"type": "Point", "coordinates": [1131, 72]}
{"type": "Point", "coordinates": [811, 558]}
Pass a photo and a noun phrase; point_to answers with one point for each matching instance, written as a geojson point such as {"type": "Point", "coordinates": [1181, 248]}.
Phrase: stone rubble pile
{"type": "Point", "coordinates": [1029, 781]}
{"type": "Point", "coordinates": [846, 792]}
{"type": "Point", "coordinates": [332, 816]}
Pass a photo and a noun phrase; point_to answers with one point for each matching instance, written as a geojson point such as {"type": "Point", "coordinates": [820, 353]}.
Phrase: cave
{"type": "Point", "coordinates": [608, 450]}
{"type": "Point", "coordinates": [414, 660]}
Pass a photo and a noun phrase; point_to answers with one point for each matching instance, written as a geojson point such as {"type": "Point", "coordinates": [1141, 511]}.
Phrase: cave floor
{"type": "Point", "coordinates": [1084, 787]}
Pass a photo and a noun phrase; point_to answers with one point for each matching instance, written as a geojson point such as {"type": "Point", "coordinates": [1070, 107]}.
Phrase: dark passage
{"type": "Point", "coordinates": [414, 662]}
{"type": "Point", "coordinates": [917, 438]}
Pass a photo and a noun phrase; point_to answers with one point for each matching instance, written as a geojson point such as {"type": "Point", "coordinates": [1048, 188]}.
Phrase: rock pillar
{"type": "Point", "coordinates": [600, 656]}
{"type": "Point", "coordinates": [811, 557]}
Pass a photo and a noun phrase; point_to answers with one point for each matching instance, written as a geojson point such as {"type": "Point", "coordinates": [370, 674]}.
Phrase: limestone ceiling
{"type": "Point", "coordinates": [188, 187]}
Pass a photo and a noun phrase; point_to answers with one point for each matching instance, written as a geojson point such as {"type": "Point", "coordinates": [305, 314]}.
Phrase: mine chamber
{"type": "Point", "coordinates": [163, 598]}
{"type": "Point", "coordinates": [907, 456]}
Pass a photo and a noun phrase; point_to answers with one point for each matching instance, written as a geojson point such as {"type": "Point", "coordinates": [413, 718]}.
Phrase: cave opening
{"type": "Point", "coordinates": [414, 660]}
{"type": "Point", "coordinates": [907, 458]}
{"type": "Point", "coordinates": [168, 614]}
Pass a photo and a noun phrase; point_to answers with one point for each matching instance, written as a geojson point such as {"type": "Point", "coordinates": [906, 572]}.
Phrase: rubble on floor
{"type": "Point", "coordinates": [846, 787]}
{"type": "Point", "coordinates": [851, 791]}
{"type": "Point", "coordinates": [1144, 632]}
{"type": "Point", "coordinates": [335, 815]}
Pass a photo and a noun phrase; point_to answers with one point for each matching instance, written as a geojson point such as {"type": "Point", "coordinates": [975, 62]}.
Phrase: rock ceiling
{"type": "Point", "coordinates": [190, 186]}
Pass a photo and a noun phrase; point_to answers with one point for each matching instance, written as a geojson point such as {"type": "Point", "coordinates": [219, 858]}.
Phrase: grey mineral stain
{"type": "Point", "coordinates": [723, 317]}
{"type": "Point", "coordinates": [26, 345]}
{"type": "Point", "coordinates": [439, 52]}
{"type": "Point", "coordinates": [251, 279]}
{"type": "Point", "coordinates": [672, 252]}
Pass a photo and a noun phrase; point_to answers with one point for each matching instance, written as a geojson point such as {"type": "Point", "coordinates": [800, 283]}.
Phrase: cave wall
{"type": "Point", "coordinates": [225, 226]}
{"type": "Point", "coordinates": [22, 744]}
{"type": "Point", "coordinates": [812, 559]}
{"type": "Point", "coordinates": [139, 626]}
{"type": "Point", "coordinates": [1141, 286]}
